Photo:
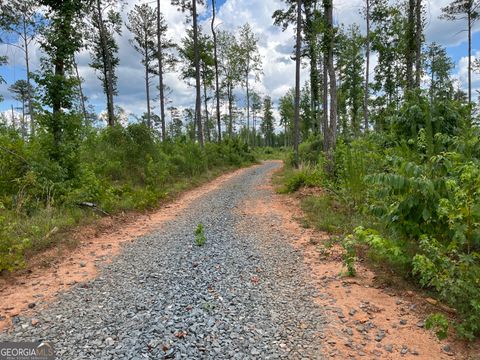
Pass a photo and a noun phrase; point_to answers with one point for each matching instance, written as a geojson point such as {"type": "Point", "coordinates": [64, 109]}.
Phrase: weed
{"type": "Point", "coordinates": [200, 237]}
{"type": "Point", "coordinates": [439, 324]}
{"type": "Point", "coordinates": [350, 255]}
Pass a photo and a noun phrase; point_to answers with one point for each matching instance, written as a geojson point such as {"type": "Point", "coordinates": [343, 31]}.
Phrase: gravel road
{"type": "Point", "coordinates": [243, 295]}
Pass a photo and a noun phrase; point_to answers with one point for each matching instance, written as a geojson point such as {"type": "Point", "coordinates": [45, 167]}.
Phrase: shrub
{"type": "Point", "coordinates": [307, 176]}
{"type": "Point", "coordinates": [200, 237]}
{"type": "Point", "coordinates": [12, 248]}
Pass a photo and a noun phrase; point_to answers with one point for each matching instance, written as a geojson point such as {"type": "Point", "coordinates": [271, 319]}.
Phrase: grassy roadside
{"type": "Point", "coordinates": [53, 228]}
{"type": "Point", "coordinates": [116, 171]}
{"type": "Point", "coordinates": [324, 210]}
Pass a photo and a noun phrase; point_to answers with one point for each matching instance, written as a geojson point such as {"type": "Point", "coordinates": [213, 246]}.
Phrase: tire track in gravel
{"type": "Point", "coordinates": [244, 295]}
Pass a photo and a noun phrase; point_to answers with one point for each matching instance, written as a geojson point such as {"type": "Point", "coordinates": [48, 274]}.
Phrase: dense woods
{"type": "Point", "coordinates": [395, 146]}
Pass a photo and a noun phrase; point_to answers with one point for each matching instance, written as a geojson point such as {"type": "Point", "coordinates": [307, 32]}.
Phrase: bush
{"type": "Point", "coordinates": [116, 168]}
{"type": "Point", "coordinates": [304, 176]}
{"type": "Point", "coordinates": [12, 248]}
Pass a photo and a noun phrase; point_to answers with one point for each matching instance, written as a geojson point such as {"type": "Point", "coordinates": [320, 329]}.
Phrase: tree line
{"type": "Point", "coordinates": [216, 65]}
{"type": "Point", "coordinates": [340, 95]}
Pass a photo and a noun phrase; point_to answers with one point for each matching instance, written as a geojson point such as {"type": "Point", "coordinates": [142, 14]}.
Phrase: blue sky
{"type": "Point", "coordinates": [275, 48]}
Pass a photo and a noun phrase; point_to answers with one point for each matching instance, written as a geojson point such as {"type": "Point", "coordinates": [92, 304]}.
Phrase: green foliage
{"type": "Point", "coordinates": [269, 153]}
{"type": "Point", "coordinates": [349, 244]}
{"type": "Point", "coordinates": [118, 169]}
{"type": "Point", "coordinates": [415, 190]}
{"type": "Point", "coordinates": [11, 248]}
{"type": "Point", "coordinates": [200, 237]}
{"type": "Point", "coordinates": [329, 213]}
{"type": "Point", "coordinates": [304, 176]}
{"type": "Point", "coordinates": [439, 324]}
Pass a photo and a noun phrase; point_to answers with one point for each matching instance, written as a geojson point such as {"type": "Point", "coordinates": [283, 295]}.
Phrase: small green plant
{"type": "Point", "coordinates": [200, 237]}
{"type": "Point", "coordinates": [439, 324]}
{"type": "Point", "coordinates": [350, 255]}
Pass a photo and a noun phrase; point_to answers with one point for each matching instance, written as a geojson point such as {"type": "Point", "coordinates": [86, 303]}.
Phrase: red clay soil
{"type": "Point", "coordinates": [97, 243]}
{"type": "Point", "coordinates": [364, 320]}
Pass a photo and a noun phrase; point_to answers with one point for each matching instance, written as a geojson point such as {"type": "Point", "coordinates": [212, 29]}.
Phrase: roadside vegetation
{"type": "Point", "coordinates": [112, 170]}
{"type": "Point", "coordinates": [409, 201]}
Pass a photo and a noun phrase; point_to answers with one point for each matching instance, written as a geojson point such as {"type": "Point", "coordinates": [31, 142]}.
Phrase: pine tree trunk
{"type": "Point", "coordinates": [205, 99]}
{"type": "Point", "coordinates": [367, 70]}
{"type": "Point", "coordinates": [230, 110]}
{"type": "Point", "coordinates": [80, 89]}
{"type": "Point", "coordinates": [57, 105]}
{"type": "Point", "coordinates": [314, 73]}
{"type": "Point", "coordinates": [469, 19]}
{"type": "Point", "coordinates": [248, 111]}
{"type": "Point", "coordinates": [254, 130]}
{"type": "Point", "coordinates": [217, 85]}
{"type": "Point", "coordinates": [107, 66]}
{"type": "Point", "coordinates": [332, 126]}
{"type": "Point", "coordinates": [13, 118]}
{"type": "Point", "coordinates": [29, 83]}
{"type": "Point", "coordinates": [411, 48]}
{"type": "Point", "coordinates": [198, 100]}
{"type": "Point", "coordinates": [325, 101]}
{"type": "Point", "coordinates": [296, 121]}
{"type": "Point", "coordinates": [160, 72]}
{"type": "Point", "coordinates": [418, 43]}
{"type": "Point", "coordinates": [147, 88]}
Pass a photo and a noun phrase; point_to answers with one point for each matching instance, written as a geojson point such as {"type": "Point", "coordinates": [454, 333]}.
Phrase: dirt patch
{"type": "Point", "coordinates": [57, 269]}
{"type": "Point", "coordinates": [365, 319]}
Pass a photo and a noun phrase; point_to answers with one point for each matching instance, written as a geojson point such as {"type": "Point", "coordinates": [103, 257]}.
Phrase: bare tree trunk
{"type": "Point", "coordinates": [254, 130]}
{"type": "Point", "coordinates": [217, 85]}
{"type": "Point", "coordinates": [325, 101]}
{"type": "Point", "coordinates": [333, 102]}
{"type": "Point", "coordinates": [296, 121]}
{"type": "Point", "coordinates": [230, 110]}
{"type": "Point", "coordinates": [367, 69]}
{"type": "Point", "coordinates": [332, 128]}
{"type": "Point", "coordinates": [57, 105]}
{"type": "Point", "coordinates": [29, 83]}
{"type": "Point", "coordinates": [432, 79]}
{"type": "Point", "coordinates": [160, 72]}
{"type": "Point", "coordinates": [13, 117]}
{"type": "Point", "coordinates": [314, 73]}
{"type": "Point", "coordinates": [23, 126]}
{"type": "Point", "coordinates": [147, 88]}
{"type": "Point", "coordinates": [469, 18]}
{"type": "Point", "coordinates": [82, 97]}
{"type": "Point", "coordinates": [248, 111]}
{"type": "Point", "coordinates": [410, 50]}
{"type": "Point", "coordinates": [107, 66]}
{"type": "Point", "coordinates": [205, 99]}
{"type": "Point", "coordinates": [198, 100]}
{"type": "Point", "coordinates": [418, 43]}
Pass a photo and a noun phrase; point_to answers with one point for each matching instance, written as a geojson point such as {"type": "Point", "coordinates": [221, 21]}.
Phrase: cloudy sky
{"type": "Point", "coordinates": [275, 48]}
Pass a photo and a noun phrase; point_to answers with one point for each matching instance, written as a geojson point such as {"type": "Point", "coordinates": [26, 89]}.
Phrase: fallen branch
{"type": "Point", "coordinates": [93, 206]}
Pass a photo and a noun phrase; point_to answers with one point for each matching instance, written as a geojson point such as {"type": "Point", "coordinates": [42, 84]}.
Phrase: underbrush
{"type": "Point", "coordinates": [271, 153]}
{"type": "Point", "coordinates": [412, 205]}
{"type": "Point", "coordinates": [330, 214]}
{"type": "Point", "coordinates": [112, 170]}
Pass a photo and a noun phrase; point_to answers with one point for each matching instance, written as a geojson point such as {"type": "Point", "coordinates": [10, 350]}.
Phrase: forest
{"type": "Point", "coordinates": [379, 123]}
